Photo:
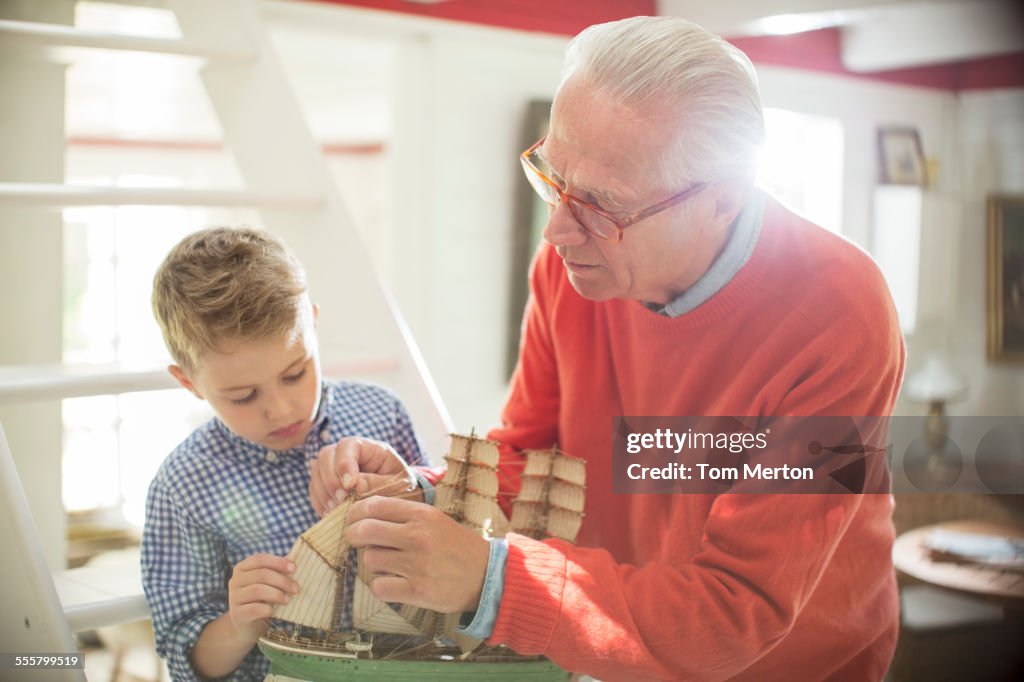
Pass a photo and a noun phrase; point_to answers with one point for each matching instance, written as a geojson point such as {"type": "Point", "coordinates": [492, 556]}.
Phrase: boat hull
{"type": "Point", "coordinates": [300, 664]}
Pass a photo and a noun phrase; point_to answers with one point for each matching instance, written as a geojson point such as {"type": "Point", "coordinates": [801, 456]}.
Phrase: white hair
{"type": "Point", "coordinates": [675, 65]}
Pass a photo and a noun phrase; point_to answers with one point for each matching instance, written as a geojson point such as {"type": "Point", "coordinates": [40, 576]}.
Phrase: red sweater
{"type": "Point", "coordinates": [687, 586]}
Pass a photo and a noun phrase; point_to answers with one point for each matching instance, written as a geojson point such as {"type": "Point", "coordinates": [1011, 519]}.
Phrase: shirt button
{"type": "Point", "coordinates": [271, 456]}
{"type": "Point", "coordinates": [325, 435]}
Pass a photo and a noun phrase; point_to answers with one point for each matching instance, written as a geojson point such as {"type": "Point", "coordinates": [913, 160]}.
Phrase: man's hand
{"type": "Point", "coordinates": [360, 466]}
{"type": "Point", "coordinates": [418, 555]}
{"type": "Point", "coordinates": [257, 584]}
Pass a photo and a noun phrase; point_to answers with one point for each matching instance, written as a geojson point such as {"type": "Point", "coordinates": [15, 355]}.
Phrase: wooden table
{"type": "Point", "coordinates": [911, 556]}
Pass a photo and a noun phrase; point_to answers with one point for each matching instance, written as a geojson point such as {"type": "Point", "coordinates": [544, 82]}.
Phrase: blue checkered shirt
{"type": "Point", "coordinates": [218, 499]}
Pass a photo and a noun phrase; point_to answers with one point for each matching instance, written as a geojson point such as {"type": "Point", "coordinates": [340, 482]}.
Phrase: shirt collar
{"type": "Point", "coordinates": [742, 239]}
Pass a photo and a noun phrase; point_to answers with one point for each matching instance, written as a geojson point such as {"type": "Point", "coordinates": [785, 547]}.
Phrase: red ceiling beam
{"type": "Point", "coordinates": [812, 50]}
{"type": "Point", "coordinates": [821, 51]}
{"type": "Point", "coordinates": [564, 17]}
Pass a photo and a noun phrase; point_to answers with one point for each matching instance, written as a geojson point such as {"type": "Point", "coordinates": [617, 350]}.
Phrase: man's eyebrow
{"type": "Point", "coordinates": [603, 201]}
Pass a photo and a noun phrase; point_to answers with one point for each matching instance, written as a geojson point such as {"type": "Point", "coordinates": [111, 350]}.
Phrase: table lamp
{"type": "Point", "coordinates": [935, 383]}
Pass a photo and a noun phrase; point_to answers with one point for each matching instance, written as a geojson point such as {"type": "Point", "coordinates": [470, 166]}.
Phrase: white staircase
{"type": "Point", "coordinates": [362, 333]}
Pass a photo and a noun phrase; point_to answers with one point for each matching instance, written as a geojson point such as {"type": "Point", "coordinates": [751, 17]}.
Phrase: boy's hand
{"type": "Point", "coordinates": [257, 584]}
{"type": "Point", "coordinates": [356, 466]}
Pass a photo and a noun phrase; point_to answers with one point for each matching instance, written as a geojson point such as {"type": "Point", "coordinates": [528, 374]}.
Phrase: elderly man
{"type": "Point", "coordinates": [669, 285]}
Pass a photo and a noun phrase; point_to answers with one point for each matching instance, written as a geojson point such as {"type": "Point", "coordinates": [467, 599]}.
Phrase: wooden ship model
{"type": "Point", "coordinates": [336, 629]}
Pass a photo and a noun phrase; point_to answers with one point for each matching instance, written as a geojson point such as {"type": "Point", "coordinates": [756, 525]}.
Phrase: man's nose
{"type": "Point", "coordinates": [562, 228]}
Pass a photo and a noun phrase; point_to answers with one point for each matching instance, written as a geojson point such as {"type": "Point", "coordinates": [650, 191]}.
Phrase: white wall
{"type": "Point", "coordinates": [459, 95]}
{"type": "Point", "coordinates": [474, 173]}
{"type": "Point", "coordinates": [862, 106]}
{"type": "Point", "coordinates": [992, 152]}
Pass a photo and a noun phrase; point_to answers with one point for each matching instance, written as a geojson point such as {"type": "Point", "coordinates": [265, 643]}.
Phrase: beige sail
{"type": "Point", "coordinates": [566, 496]}
{"type": "Point", "coordinates": [557, 493]}
{"type": "Point", "coordinates": [373, 615]}
{"type": "Point", "coordinates": [320, 556]}
{"type": "Point", "coordinates": [482, 480]}
{"type": "Point", "coordinates": [551, 497]}
{"type": "Point", "coordinates": [570, 469]}
{"type": "Point", "coordinates": [430, 623]}
{"type": "Point", "coordinates": [499, 525]}
{"type": "Point", "coordinates": [564, 524]}
{"type": "Point", "coordinates": [470, 448]}
{"type": "Point", "coordinates": [468, 492]}
{"type": "Point", "coordinates": [327, 536]}
{"type": "Point", "coordinates": [556, 464]}
{"type": "Point", "coordinates": [316, 579]}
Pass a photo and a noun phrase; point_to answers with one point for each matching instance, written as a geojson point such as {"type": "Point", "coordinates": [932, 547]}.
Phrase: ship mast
{"type": "Point", "coordinates": [469, 490]}
{"type": "Point", "coordinates": [551, 496]}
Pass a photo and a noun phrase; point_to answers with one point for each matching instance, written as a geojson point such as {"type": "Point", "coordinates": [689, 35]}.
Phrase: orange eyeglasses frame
{"type": "Point", "coordinates": [576, 204]}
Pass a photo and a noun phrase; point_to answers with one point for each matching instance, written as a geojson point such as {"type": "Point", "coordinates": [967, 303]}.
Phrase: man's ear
{"type": "Point", "coordinates": [179, 374]}
{"type": "Point", "coordinates": [730, 197]}
{"type": "Point", "coordinates": [316, 314]}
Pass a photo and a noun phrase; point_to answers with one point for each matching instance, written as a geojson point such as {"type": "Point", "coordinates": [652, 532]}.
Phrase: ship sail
{"type": "Point", "coordinates": [317, 578]}
{"type": "Point", "coordinates": [373, 615]}
{"type": "Point", "coordinates": [550, 501]}
{"type": "Point", "coordinates": [322, 562]}
{"type": "Point", "coordinates": [469, 490]}
{"type": "Point", "coordinates": [320, 558]}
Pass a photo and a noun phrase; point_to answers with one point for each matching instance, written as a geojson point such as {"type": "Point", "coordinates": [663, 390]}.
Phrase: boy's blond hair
{"type": "Point", "coordinates": [225, 284]}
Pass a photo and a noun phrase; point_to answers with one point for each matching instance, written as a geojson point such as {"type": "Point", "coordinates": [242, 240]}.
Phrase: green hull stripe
{"type": "Point", "coordinates": [323, 669]}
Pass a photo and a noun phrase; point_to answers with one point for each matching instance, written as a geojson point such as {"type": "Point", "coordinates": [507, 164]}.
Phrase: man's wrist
{"type": "Point", "coordinates": [425, 486]}
{"type": "Point", "coordinates": [480, 623]}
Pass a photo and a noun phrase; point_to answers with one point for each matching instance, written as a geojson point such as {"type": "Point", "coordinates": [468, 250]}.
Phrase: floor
{"type": "Point", "coordinates": [124, 653]}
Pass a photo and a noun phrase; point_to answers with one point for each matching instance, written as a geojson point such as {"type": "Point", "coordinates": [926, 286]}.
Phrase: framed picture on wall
{"type": "Point", "coordinates": [1006, 277]}
{"type": "Point", "coordinates": [531, 214]}
{"type": "Point", "coordinates": [900, 157]}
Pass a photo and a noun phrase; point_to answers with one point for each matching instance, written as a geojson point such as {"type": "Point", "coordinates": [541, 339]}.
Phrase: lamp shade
{"type": "Point", "coordinates": [934, 380]}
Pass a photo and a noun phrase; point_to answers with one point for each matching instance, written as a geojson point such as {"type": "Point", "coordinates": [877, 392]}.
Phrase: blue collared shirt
{"type": "Point", "coordinates": [219, 498]}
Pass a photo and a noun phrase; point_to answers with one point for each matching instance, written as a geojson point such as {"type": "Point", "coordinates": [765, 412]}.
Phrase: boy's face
{"type": "Point", "coordinates": [267, 392]}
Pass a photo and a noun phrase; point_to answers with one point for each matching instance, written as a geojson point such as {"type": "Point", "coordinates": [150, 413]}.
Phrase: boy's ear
{"type": "Point", "coordinates": [316, 314]}
{"type": "Point", "coordinates": [179, 374]}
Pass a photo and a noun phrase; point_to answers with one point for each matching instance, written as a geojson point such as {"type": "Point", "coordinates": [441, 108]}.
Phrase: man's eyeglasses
{"type": "Point", "coordinates": [596, 221]}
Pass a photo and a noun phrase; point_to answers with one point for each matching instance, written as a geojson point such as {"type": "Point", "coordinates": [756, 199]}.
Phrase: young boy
{"type": "Point", "coordinates": [229, 502]}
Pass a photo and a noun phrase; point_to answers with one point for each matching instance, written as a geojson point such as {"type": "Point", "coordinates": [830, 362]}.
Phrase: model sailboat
{"type": "Point", "coordinates": [316, 636]}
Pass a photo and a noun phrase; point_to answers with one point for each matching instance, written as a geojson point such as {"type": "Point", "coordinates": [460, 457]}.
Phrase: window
{"type": "Point", "coordinates": [802, 165]}
{"type": "Point", "coordinates": [143, 120]}
{"type": "Point", "coordinates": [114, 444]}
